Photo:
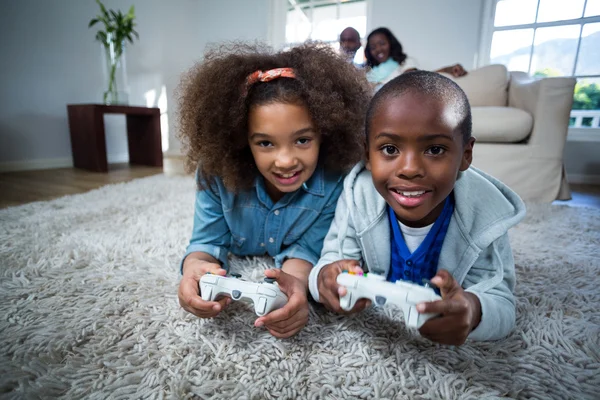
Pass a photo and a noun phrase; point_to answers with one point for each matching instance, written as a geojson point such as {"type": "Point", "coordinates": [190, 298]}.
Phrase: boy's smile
{"type": "Point", "coordinates": [415, 151]}
{"type": "Point", "coordinates": [284, 144]}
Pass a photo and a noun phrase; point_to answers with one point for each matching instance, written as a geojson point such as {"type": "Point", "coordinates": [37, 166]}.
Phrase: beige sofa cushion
{"type": "Point", "coordinates": [485, 86]}
{"type": "Point", "coordinates": [501, 124]}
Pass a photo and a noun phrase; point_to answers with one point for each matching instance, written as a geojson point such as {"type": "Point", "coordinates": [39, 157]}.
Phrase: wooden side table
{"type": "Point", "coordinates": [88, 140]}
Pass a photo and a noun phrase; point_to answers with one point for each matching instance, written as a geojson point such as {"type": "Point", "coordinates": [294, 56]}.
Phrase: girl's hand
{"type": "Point", "coordinates": [460, 312]}
{"type": "Point", "coordinates": [189, 290]}
{"type": "Point", "coordinates": [291, 318]}
{"type": "Point", "coordinates": [329, 290]}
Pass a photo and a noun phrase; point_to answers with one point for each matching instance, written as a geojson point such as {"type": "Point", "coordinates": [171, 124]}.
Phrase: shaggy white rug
{"type": "Point", "coordinates": [89, 309]}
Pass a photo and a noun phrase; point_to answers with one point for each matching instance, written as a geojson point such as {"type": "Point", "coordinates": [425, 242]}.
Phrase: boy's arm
{"type": "Point", "coordinates": [340, 243]}
{"type": "Point", "coordinates": [492, 280]}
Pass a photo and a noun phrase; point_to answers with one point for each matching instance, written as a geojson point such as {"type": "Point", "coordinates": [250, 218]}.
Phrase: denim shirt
{"type": "Point", "coordinates": [250, 224]}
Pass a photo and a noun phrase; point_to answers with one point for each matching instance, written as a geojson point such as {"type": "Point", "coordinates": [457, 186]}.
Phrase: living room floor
{"type": "Point", "coordinates": [22, 187]}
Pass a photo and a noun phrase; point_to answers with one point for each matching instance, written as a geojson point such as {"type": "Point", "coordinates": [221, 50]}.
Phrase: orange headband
{"type": "Point", "coordinates": [266, 76]}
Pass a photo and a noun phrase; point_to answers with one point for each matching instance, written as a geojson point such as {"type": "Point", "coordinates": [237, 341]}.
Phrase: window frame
{"type": "Point", "coordinates": [485, 47]}
{"type": "Point", "coordinates": [311, 4]}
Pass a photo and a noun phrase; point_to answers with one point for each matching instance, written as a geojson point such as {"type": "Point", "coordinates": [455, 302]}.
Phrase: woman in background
{"type": "Point", "coordinates": [386, 59]}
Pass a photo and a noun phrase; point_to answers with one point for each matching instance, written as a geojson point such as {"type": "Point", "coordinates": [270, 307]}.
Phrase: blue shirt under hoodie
{"type": "Point", "coordinates": [422, 264]}
{"type": "Point", "coordinates": [251, 224]}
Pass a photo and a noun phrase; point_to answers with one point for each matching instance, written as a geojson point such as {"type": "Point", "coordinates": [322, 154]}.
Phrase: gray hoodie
{"type": "Point", "coordinates": [476, 249]}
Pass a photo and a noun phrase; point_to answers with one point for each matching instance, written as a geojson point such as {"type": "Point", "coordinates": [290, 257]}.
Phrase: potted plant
{"type": "Point", "coordinates": [118, 27]}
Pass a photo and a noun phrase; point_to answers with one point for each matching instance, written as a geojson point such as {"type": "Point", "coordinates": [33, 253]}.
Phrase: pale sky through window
{"type": "Point", "coordinates": [592, 8]}
{"type": "Point", "coordinates": [516, 12]}
{"type": "Point", "coordinates": [559, 10]}
{"type": "Point", "coordinates": [505, 42]}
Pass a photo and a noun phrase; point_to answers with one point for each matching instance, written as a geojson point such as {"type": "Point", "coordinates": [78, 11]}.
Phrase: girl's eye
{"type": "Point", "coordinates": [265, 143]}
{"type": "Point", "coordinates": [436, 150]}
{"type": "Point", "coordinates": [303, 141]}
{"type": "Point", "coordinates": [389, 150]}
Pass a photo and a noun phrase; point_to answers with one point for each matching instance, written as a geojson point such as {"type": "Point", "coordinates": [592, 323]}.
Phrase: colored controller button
{"type": "Point", "coordinates": [236, 294]}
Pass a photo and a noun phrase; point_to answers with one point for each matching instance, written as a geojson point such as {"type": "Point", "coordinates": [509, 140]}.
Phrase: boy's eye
{"type": "Point", "coordinates": [436, 150]}
{"type": "Point", "coordinates": [389, 150]}
{"type": "Point", "coordinates": [264, 143]}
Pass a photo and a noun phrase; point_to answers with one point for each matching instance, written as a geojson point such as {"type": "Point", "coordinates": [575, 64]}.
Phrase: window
{"type": "Point", "coordinates": [324, 20]}
{"type": "Point", "coordinates": [553, 38]}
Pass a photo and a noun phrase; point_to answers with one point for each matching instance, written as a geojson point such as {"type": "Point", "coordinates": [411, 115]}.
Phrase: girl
{"type": "Point", "coordinates": [270, 136]}
{"type": "Point", "coordinates": [386, 59]}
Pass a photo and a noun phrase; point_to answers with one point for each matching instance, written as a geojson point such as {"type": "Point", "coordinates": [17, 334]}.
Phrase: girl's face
{"type": "Point", "coordinates": [415, 153]}
{"type": "Point", "coordinates": [379, 46]}
{"type": "Point", "coordinates": [285, 146]}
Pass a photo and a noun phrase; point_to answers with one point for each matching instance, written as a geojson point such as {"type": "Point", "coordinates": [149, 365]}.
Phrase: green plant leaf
{"type": "Point", "coordinates": [102, 7]}
{"type": "Point", "coordinates": [118, 27]}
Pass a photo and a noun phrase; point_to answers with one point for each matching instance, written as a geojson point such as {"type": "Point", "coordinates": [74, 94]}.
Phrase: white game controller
{"type": "Point", "coordinates": [405, 295]}
{"type": "Point", "coordinates": [266, 296]}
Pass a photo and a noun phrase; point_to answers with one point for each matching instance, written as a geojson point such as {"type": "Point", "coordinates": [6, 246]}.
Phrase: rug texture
{"type": "Point", "coordinates": [89, 309]}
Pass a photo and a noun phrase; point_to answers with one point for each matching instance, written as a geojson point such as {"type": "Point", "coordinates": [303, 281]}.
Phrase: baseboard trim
{"type": "Point", "coordinates": [52, 163]}
{"type": "Point", "coordinates": [29, 165]}
{"type": "Point", "coordinates": [583, 179]}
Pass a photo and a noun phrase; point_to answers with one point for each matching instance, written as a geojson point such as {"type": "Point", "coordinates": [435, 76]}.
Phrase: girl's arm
{"type": "Point", "coordinates": [298, 268]}
{"type": "Point", "coordinates": [211, 236]}
{"type": "Point", "coordinates": [207, 252]}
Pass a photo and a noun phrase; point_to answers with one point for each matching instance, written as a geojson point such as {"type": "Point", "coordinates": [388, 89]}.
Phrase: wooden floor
{"type": "Point", "coordinates": [22, 187]}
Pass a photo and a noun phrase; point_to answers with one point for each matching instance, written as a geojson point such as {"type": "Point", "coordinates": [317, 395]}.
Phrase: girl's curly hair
{"type": "Point", "coordinates": [214, 102]}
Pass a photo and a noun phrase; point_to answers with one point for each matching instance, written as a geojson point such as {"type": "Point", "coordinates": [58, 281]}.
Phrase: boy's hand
{"type": "Point", "coordinates": [329, 290]}
{"type": "Point", "coordinates": [189, 290]}
{"type": "Point", "coordinates": [291, 318]}
{"type": "Point", "coordinates": [460, 312]}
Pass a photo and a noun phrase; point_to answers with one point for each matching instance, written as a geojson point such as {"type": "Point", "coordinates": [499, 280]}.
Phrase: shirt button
{"type": "Point", "coordinates": [271, 240]}
{"type": "Point", "coordinates": [276, 212]}
{"type": "Point", "coordinates": [409, 263]}
{"type": "Point", "coordinates": [406, 273]}
{"type": "Point", "coordinates": [262, 245]}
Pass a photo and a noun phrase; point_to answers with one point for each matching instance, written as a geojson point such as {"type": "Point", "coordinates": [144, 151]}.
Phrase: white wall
{"type": "Point", "coordinates": [50, 59]}
{"type": "Point", "coordinates": [434, 32]}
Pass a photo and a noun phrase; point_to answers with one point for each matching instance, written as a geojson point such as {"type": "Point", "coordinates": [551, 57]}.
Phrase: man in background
{"type": "Point", "coordinates": [349, 45]}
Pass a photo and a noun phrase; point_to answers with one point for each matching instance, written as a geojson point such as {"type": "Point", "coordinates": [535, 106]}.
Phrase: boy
{"type": "Point", "coordinates": [415, 210]}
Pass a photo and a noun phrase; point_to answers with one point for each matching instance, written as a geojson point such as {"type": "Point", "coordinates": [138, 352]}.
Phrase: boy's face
{"type": "Point", "coordinates": [285, 146]}
{"type": "Point", "coordinates": [415, 152]}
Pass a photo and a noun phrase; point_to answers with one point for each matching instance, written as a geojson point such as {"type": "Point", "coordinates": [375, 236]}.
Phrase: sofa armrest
{"type": "Point", "coordinates": [549, 101]}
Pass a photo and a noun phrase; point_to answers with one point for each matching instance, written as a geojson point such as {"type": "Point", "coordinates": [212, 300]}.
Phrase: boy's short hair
{"type": "Point", "coordinates": [431, 84]}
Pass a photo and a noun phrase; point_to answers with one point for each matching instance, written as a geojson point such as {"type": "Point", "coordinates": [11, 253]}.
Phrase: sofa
{"type": "Point", "coordinates": [520, 124]}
